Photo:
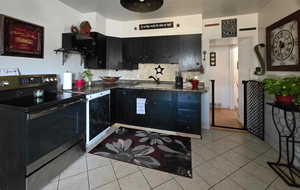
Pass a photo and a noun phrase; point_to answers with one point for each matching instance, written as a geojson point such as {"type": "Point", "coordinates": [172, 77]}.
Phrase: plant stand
{"type": "Point", "coordinates": [287, 130]}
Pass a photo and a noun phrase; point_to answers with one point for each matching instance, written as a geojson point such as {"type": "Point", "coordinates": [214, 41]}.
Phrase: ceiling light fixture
{"type": "Point", "coordinates": [142, 5]}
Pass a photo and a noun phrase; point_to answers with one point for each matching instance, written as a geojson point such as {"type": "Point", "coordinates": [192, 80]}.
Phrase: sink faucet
{"type": "Point", "coordinates": [155, 79]}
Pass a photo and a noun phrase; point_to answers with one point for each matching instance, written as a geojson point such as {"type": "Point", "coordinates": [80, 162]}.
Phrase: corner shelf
{"type": "Point", "coordinates": [66, 53]}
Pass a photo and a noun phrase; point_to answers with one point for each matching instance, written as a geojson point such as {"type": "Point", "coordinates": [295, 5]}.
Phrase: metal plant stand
{"type": "Point", "coordinates": [286, 127]}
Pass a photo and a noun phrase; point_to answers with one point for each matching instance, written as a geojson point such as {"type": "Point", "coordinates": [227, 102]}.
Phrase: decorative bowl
{"type": "Point", "coordinates": [108, 79]}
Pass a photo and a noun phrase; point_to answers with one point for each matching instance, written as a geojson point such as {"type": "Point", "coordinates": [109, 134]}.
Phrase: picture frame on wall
{"type": "Point", "coordinates": [20, 38]}
{"type": "Point", "coordinates": [283, 44]}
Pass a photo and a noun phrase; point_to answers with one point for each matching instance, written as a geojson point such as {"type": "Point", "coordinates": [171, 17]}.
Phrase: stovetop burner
{"type": "Point", "coordinates": [29, 101]}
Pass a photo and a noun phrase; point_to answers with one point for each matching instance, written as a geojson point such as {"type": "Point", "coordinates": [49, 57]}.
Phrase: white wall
{"type": "Point", "coordinates": [97, 21]}
{"type": "Point", "coordinates": [191, 24]}
{"type": "Point", "coordinates": [221, 74]}
{"type": "Point", "coordinates": [269, 14]}
{"type": "Point", "coordinates": [57, 18]}
{"type": "Point", "coordinates": [215, 32]}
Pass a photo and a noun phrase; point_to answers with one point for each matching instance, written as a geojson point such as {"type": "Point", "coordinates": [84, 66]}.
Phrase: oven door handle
{"type": "Point", "coordinates": [72, 103]}
{"type": "Point", "coordinates": [49, 111]}
{"type": "Point", "coordinates": [37, 115]}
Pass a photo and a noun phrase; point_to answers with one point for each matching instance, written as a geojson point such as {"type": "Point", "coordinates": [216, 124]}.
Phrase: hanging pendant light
{"type": "Point", "coordinates": [142, 5]}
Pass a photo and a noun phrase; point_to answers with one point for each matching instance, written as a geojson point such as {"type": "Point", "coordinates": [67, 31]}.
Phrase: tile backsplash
{"type": "Point", "coordinates": [144, 71]}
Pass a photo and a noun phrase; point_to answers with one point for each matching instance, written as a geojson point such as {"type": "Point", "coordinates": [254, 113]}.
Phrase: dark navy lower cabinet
{"type": "Point", "coordinates": [165, 110]}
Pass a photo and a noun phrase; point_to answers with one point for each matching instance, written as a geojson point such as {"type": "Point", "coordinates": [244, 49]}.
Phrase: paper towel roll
{"type": "Point", "coordinates": [67, 81]}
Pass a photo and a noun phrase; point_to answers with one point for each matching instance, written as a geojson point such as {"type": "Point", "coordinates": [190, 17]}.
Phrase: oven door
{"type": "Point", "coordinates": [52, 131]}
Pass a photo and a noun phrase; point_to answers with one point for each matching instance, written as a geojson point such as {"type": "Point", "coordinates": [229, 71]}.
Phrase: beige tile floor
{"type": "Point", "coordinates": [221, 161]}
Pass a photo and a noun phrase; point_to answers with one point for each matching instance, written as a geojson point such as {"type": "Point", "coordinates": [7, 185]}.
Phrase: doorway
{"type": "Point", "coordinates": [232, 67]}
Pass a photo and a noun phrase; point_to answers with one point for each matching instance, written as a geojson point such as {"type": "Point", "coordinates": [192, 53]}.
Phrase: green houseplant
{"type": "Point", "coordinates": [285, 89]}
{"type": "Point", "coordinates": [87, 75]}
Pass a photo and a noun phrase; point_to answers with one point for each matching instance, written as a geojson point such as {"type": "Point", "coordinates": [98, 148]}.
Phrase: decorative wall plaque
{"type": "Point", "coordinates": [229, 28]}
{"type": "Point", "coordinates": [21, 38]}
{"type": "Point", "coordinates": [213, 59]}
{"type": "Point", "coordinates": [283, 44]}
{"type": "Point", "coordinates": [153, 26]}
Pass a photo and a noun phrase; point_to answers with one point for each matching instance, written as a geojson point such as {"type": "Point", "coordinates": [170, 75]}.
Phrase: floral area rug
{"type": "Point", "coordinates": [167, 153]}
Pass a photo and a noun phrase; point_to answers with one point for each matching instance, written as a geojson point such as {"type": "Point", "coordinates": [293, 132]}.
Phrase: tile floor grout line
{"type": "Point", "coordinates": [88, 176]}
{"type": "Point", "coordinates": [165, 183]}
{"type": "Point", "coordinates": [72, 175]}
{"type": "Point", "coordinates": [245, 171]}
{"type": "Point", "coordinates": [178, 184]}
{"type": "Point", "coordinates": [115, 174]}
{"type": "Point", "coordinates": [272, 182]}
{"type": "Point", "coordinates": [57, 185]}
{"type": "Point", "coordinates": [250, 160]}
{"type": "Point", "coordinates": [145, 177]}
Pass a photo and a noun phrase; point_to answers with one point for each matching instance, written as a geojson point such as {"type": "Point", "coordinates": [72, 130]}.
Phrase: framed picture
{"type": "Point", "coordinates": [21, 38]}
{"type": "Point", "coordinates": [283, 44]}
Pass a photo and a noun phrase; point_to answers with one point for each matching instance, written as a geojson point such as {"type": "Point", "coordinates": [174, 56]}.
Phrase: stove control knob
{"type": "Point", "coordinates": [4, 83]}
{"type": "Point", "coordinates": [51, 79]}
{"type": "Point", "coordinates": [47, 80]}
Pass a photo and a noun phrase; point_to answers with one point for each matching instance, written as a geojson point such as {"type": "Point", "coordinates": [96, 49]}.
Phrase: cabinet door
{"type": "Point", "coordinates": [97, 59]}
{"type": "Point", "coordinates": [188, 112]}
{"type": "Point", "coordinates": [99, 110]}
{"type": "Point", "coordinates": [190, 52]}
{"type": "Point", "coordinates": [114, 53]}
{"type": "Point", "coordinates": [160, 110]}
{"type": "Point", "coordinates": [124, 106]}
{"type": "Point", "coordinates": [132, 49]}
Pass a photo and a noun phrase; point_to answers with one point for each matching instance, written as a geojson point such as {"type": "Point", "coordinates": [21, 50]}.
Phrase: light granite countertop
{"type": "Point", "coordinates": [99, 86]}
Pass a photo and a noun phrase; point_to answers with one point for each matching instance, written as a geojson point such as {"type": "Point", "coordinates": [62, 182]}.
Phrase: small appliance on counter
{"type": "Point", "coordinates": [178, 80]}
{"type": "Point", "coordinates": [67, 85]}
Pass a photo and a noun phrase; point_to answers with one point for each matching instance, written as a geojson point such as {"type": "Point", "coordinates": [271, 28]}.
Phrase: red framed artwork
{"type": "Point", "coordinates": [22, 39]}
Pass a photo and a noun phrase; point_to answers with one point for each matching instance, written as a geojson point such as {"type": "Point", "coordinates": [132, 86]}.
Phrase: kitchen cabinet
{"type": "Point", "coordinates": [161, 49]}
{"type": "Point", "coordinates": [188, 112]}
{"type": "Point", "coordinates": [124, 107]}
{"type": "Point", "coordinates": [114, 57]}
{"type": "Point", "coordinates": [97, 59]}
{"type": "Point", "coordinates": [132, 50]}
{"type": "Point", "coordinates": [127, 53]}
{"type": "Point", "coordinates": [165, 110]}
{"type": "Point", "coordinates": [190, 52]}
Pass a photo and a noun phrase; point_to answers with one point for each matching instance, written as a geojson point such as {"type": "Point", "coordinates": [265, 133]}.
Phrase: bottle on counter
{"type": "Point", "coordinates": [178, 80]}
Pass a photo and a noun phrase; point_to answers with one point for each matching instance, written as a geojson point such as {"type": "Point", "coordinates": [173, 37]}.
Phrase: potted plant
{"type": "Point", "coordinates": [87, 76]}
{"type": "Point", "coordinates": [285, 89]}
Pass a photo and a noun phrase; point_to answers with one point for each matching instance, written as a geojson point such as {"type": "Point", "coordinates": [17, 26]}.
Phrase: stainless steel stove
{"type": "Point", "coordinates": [38, 124]}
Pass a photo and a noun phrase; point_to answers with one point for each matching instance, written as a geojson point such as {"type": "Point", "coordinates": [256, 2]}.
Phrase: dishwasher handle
{"type": "Point", "coordinates": [51, 110]}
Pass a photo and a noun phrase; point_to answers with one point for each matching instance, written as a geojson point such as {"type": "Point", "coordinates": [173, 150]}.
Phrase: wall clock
{"type": "Point", "coordinates": [229, 28]}
{"type": "Point", "coordinates": [283, 44]}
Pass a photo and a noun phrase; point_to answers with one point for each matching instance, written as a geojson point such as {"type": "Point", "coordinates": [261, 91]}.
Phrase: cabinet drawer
{"type": "Point", "coordinates": [189, 97]}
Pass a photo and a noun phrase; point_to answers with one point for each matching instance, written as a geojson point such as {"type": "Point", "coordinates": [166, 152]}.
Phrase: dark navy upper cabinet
{"type": "Point", "coordinates": [97, 59]}
{"type": "Point", "coordinates": [127, 53]}
{"type": "Point", "coordinates": [190, 52]}
{"type": "Point", "coordinates": [132, 52]}
{"type": "Point", "coordinates": [114, 57]}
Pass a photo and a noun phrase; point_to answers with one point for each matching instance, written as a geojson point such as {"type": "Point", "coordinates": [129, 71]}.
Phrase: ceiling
{"type": "Point", "coordinates": [209, 8]}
